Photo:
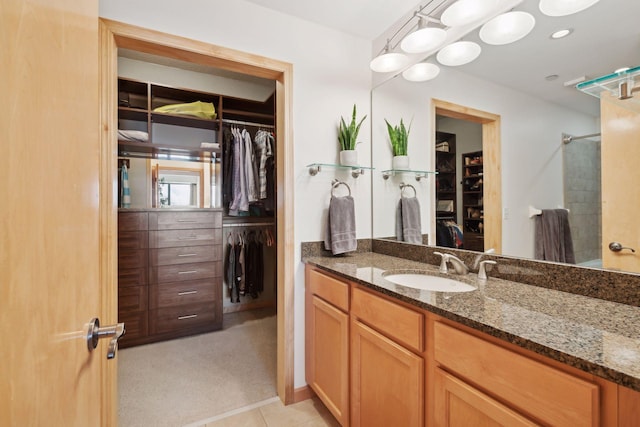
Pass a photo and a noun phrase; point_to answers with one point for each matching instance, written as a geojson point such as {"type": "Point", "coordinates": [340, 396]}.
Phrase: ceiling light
{"type": "Point", "coordinates": [464, 12]}
{"type": "Point", "coordinates": [561, 33]}
{"type": "Point", "coordinates": [388, 61]}
{"type": "Point", "coordinates": [421, 72]}
{"type": "Point", "coordinates": [564, 7]}
{"type": "Point", "coordinates": [458, 53]}
{"type": "Point", "coordinates": [507, 28]}
{"type": "Point", "coordinates": [423, 39]}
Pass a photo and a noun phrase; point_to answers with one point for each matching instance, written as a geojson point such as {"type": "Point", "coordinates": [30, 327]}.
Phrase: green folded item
{"type": "Point", "coordinates": [203, 110]}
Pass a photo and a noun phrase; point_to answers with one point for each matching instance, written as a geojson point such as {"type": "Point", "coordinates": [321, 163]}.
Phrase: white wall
{"type": "Point", "coordinates": [330, 74]}
{"type": "Point", "coordinates": [531, 132]}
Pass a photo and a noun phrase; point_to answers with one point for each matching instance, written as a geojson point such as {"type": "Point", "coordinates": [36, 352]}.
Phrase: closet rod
{"type": "Point", "coordinates": [568, 138]}
{"type": "Point", "coordinates": [240, 122]}
{"type": "Point", "coordinates": [248, 224]}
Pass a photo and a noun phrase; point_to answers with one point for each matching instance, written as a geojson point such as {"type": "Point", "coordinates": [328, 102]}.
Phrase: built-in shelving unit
{"type": "Point", "coordinates": [472, 200]}
{"type": "Point", "coordinates": [446, 186]}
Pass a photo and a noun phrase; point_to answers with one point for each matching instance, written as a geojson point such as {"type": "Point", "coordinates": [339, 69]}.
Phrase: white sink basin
{"type": "Point", "coordinates": [428, 283]}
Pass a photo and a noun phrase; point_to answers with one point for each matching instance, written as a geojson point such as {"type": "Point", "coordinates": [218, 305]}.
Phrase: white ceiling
{"type": "Point", "coordinates": [606, 36]}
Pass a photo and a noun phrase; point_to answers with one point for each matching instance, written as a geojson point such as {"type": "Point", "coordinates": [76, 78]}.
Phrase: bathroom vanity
{"type": "Point", "coordinates": [507, 353]}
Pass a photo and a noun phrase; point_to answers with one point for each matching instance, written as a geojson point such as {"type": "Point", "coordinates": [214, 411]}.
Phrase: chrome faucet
{"type": "Point", "coordinates": [482, 272]}
{"type": "Point", "coordinates": [476, 261]}
{"type": "Point", "coordinates": [458, 264]}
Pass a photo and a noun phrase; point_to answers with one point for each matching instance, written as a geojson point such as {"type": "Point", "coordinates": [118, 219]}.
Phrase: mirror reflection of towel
{"type": "Point", "coordinates": [125, 192]}
{"type": "Point", "coordinates": [553, 236]}
{"type": "Point", "coordinates": [341, 226]}
{"type": "Point", "coordinates": [408, 225]}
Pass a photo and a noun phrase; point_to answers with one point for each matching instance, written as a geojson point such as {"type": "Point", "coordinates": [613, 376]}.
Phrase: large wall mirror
{"type": "Point", "coordinates": [508, 112]}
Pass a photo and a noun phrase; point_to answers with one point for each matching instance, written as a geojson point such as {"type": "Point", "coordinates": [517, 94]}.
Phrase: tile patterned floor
{"type": "Point", "coordinates": [308, 413]}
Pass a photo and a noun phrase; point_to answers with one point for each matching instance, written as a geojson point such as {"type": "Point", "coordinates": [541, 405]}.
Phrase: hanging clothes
{"type": "Point", "coordinates": [244, 263]}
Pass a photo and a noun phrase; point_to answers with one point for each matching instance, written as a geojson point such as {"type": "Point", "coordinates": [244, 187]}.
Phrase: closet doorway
{"type": "Point", "coordinates": [492, 176]}
{"type": "Point", "coordinates": [115, 36]}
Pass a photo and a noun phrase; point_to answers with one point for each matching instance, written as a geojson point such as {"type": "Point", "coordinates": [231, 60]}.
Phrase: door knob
{"type": "Point", "coordinates": [617, 247]}
{"type": "Point", "coordinates": [95, 332]}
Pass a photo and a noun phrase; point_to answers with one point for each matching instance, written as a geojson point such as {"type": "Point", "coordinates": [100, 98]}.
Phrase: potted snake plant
{"type": "Point", "coordinates": [347, 138]}
{"type": "Point", "coordinates": [399, 138]}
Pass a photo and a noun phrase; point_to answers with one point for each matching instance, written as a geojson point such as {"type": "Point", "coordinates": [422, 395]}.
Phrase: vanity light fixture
{"type": "Point", "coordinates": [464, 12]}
{"type": "Point", "coordinates": [561, 33]}
{"type": "Point", "coordinates": [421, 72]}
{"type": "Point", "coordinates": [564, 7]}
{"type": "Point", "coordinates": [458, 53]}
{"type": "Point", "coordinates": [388, 61]}
{"type": "Point", "coordinates": [423, 39]}
{"type": "Point", "coordinates": [507, 28]}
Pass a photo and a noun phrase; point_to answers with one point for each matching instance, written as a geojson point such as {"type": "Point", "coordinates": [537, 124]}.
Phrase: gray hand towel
{"type": "Point", "coordinates": [553, 236]}
{"type": "Point", "coordinates": [411, 226]}
{"type": "Point", "coordinates": [341, 226]}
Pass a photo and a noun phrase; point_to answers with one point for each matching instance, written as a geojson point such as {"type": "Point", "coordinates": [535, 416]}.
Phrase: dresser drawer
{"type": "Point", "coordinates": [136, 325]}
{"type": "Point", "coordinates": [192, 237]}
{"type": "Point", "coordinates": [185, 255]}
{"type": "Point", "coordinates": [181, 293]}
{"type": "Point", "coordinates": [132, 258]}
{"type": "Point", "coordinates": [530, 386]}
{"type": "Point", "coordinates": [133, 240]}
{"type": "Point", "coordinates": [184, 220]}
{"type": "Point", "coordinates": [132, 276]}
{"type": "Point", "coordinates": [182, 317]}
{"type": "Point", "coordinates": [132, 221]}
{"type": "Point", "coordinates": [182, 272]}
{"type": "Point", "coordinates": [394, 320]}
{"type": "Point", "coordinates": [329, 289]}
{"type": "Point", "coordinates": [133, 298]}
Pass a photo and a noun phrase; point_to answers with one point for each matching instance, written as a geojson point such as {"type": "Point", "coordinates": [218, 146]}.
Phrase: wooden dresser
{"type": "Point", "coordinates": [169, 274]}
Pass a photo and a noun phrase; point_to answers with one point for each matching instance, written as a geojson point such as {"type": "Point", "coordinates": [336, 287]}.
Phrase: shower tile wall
{"type": "Point", "coordinates": [582, 196]}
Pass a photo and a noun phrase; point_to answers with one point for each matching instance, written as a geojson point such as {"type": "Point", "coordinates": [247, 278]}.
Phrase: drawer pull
{"type": "Point", "coordinates": [187, 293]}
{"type": "Point", "coordinates": [188, 316]}
{"type": "Point", "coordinates": [186, 220]}
{"type": "Point", "coordinates": [192, 237]}
{"type": "Point", "coordinates": [183, 255]}
{"type": "Point", "coordinates": [188, 272]}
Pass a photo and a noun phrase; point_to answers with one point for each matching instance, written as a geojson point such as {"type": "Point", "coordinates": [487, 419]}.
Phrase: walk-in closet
{"type": "Point", "coordinates": [196, 240]}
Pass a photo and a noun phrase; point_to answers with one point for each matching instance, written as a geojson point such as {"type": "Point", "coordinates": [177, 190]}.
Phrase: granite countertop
{"type": "Point", "coordinates": [597, 336]}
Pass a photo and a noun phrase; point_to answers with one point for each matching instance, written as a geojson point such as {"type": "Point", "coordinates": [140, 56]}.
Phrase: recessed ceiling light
{"type": "Point", "coordinates": [561, 33]}
{"type": "Point", "coordinates": [564, 7]}
{"type": "Point", "coordinates": [551, 77]}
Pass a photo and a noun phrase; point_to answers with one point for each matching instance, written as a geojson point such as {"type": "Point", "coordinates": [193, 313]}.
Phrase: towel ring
{"type": "Point", "coordinates": [403, 186]}
{"type": "Point", "coordinates": [335, 184]}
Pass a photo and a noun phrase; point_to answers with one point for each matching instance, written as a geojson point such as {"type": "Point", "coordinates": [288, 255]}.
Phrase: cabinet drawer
{"type": "Point", "coordinates": [182, 317]}
{"type": "Point", "coordinates": [132, 221]}
{"type": "Point", "coordinates": [184, 220]}
{"type": "Point", "coordinates": [132, 276]}
{"type": "Point", "coordinates": [180, 293]}
{"type": "Point", "coordinates": [133, 240]}
{"type": "Point", "coordinates": [329, 289]}
{"type": "Point", "coordinates": [133, 298]}
{"type": "Point", "coordinates": [400, 323]}
{"type": "Point", "coordinates": [192, 237]}
{"type": "Point", "coordinates": [136, 326]}
{"type": "Point", "coordinates": [546, 393]}
{"type": "Point", "coordinates": [182, 272]}
{"type": "Point", "coordinates": [132, 258]}
{"type": "Point", "coordinates": [185, 255]}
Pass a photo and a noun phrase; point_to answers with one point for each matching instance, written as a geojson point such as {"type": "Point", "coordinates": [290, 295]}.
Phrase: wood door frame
{"type": "Point", "coordinates": [492, 155]}
{"type": "Point", "coordinates": [114, 35]}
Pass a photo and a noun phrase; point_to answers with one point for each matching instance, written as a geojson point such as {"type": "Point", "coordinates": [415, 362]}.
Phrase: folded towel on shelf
{"type": "Point", "coordinates": [202, 110]}
{"type": "Point", "coordinates": [133, 135]}
{"type": "Point", "coordinates": [553, 236]}
{"type": "Point", "coordinates": [408, 225]}
{"type": "Point", "coordinates": [341, 226]}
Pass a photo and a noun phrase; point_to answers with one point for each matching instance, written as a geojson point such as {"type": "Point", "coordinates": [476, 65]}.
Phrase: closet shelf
{"type": "Point", "coordinates": [356, 171]}
{"type": "Point", "coordinates": [418, 173]}
{"type": "Point", "coordinates": [160, 151]}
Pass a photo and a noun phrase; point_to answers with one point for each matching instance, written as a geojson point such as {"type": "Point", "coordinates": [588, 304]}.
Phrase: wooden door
{"type": "Point", "coordinates": [458, 404]}
{"type": "Point", "coordinates": [387, 387]}
{"type": "Point", "coordinates": [328, 347]}
{"type": "Point", "coordinates": [50, 232]}
{"type": "Point", "coordinates": [620, 151]}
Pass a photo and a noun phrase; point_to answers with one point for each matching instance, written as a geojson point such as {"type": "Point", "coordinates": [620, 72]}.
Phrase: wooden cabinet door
{"type": "Point", "coordinates": [387, 381]}
{"type": "Point", "coordinates": [457, 404]}
{"type": "Point", "coordinates": [327, 368]}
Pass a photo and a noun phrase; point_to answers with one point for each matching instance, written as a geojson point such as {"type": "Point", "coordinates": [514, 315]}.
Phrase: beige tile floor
{"type": "Point", "coordinates": [308, 413]}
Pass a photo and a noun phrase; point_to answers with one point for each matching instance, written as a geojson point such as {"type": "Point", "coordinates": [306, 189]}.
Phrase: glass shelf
{"type": "Point", "coordinates": [418, 174]}
{"type": "Point", "coordinates": [356, 171]}
{"type": "Point", "coordinates": [620, 85]}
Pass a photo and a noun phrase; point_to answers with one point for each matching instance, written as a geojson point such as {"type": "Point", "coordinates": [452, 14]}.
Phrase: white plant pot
{"type": "Point", "coordinates": [349, 158]}
{"type": "Point", "coordinates": [400, 162]}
